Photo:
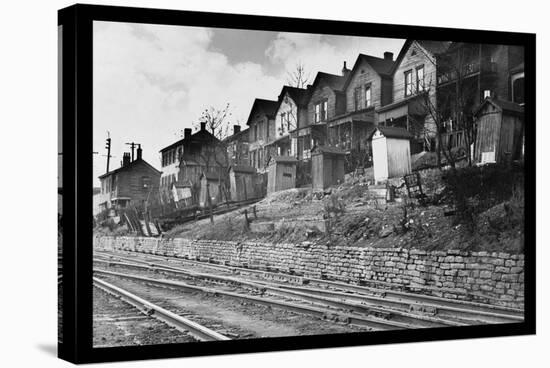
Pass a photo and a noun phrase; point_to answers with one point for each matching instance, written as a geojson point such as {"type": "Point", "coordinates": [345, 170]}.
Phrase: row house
{"type": "Point", "coordinates": [291, 134]}
{"type": "Point", "coordinates": [261, 133]}
{"type": "Point", "coordinates": [414, 82]}
{"type": "Point", "coordinates": [327, 100]}
{"type": "Point", "coordinates": [366, 87]}
{"type": "Point", "coordinates": [185, 160]}
{"type": "Point", "coordinates": [134, 183]}
{"type": "Point", "coordinates": [472, 73]}
{"type": "Point", "coordinates": [237, 146]}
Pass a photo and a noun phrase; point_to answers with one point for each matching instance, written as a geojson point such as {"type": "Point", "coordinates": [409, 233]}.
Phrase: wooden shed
{"type": "Point", "coordinates": [391, 152]}
{"type": "Point", "coordinates": [499, 131]}
{"type": "Point", "coordinates": [212, 185]}
{"type": "Point", "coordinates": [281, 173]}
{"type": "Point", "coordinates": [242, 183]}
{"type": "Point", "coordinates": [327, 166]}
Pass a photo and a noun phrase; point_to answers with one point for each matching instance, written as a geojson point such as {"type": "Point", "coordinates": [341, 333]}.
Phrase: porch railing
{"type": "Point", "coordinates": [454, 139]}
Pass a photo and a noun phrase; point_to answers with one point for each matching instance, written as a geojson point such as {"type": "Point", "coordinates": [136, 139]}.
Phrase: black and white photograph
{"type": "Point", "coordinates": [254, 184]}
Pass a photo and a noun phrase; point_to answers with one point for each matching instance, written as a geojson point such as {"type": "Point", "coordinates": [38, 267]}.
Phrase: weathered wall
{"type": "Point", "coordinates": [481, 276]}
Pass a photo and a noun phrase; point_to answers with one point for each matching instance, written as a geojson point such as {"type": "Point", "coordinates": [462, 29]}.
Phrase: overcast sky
{"type": "Point", "coordinates": [152, 81]}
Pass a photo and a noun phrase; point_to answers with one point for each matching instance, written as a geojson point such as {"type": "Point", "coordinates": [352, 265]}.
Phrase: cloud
{"type": "Point", "coordinates": [152, 81]}
{"type": "Point", "coordinates": [324, 52]}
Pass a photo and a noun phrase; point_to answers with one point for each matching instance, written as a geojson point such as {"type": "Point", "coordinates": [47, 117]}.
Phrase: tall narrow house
{"type": "Point", "coordinates": [327, 99]}
{"type": "Point", "coordinates": [414, 85]}
{"type": "Point", "coordinates": [261, 132]}
{"type": "Point", "coordinates": [291, 135]}
{"type": "Point", "coordinates": [367, 86]}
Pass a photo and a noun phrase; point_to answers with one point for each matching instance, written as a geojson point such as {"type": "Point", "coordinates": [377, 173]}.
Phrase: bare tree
{"type": "Point", "coordinates": [217, 120]}
{"type": "Point", "coordinates": [298, 77]}
{"type": "Point", "coordinates": [451, 107]}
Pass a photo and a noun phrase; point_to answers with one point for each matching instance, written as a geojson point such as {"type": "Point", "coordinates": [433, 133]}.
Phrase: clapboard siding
{"type": "Point", "coordinates": [364, 76]}
{"type": "Point", "coordinates": [415, 57]}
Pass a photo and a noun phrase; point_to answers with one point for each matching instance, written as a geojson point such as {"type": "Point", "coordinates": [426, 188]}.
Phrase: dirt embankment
{"type": "Point", "coordinates": [446, 219]}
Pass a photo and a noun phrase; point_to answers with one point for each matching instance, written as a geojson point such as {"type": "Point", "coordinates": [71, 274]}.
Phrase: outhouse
{"type": "Point", "coordinates": [281, 173]}
{"type": "Point", "coordinates": [210, 185]}
{"type": "Point", "coordinates": [499, 131]}
{"type": "Point", "coordinates": [242, 181]}
{"type": "Point", "coordinates": [327, 166]}
{"type": "Point", "coordinates": [391, 152]}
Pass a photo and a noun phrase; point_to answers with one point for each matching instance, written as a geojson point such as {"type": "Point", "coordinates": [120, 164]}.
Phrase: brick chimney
{"type": "Point", "coordinates": [187, 133]}
{"type": "Point", "coordinates": [203, 126]}
{"type": "Point", "coordinates": [126, 159]}
{"type": "Point", "coordinates": [345, 70]}
{"type": "Point", "coordinates": [139, 152]}
{"type": "Point", "coordinates": [236, 129]}
{"type": "Point", "coordinates": [388, 56]}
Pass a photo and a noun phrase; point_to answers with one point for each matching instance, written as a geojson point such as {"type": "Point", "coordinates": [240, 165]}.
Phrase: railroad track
{"type": "Point", "coordinates": [295, 306]}
{"type": "Point", "coordinates": [180, 323]}
{"type": "Point", "coordinates": [410, 306]}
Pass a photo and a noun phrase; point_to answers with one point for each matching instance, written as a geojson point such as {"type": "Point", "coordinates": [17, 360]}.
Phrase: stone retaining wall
{"type": "Point", "coordinates": [496, 278]}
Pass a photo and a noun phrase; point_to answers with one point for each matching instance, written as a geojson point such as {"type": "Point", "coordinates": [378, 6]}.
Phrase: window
{"type": "Point", "coordinates": [420, 79]}
{"type": "Point", "coordinates": [368, 96]}
{"type": "Point", "coordinates": [518, 89]}
{"type": "Point", "coordinates": [255, 132]}
{"type": "Point", "coordinates": [283, 122]}
{"type": "Point", "coordinates": [145, 182]}
{"type": "Point", "coordinates": [324, 111]}
{"type": "Point", "coordinates": [317, 113]}
{"type": "Point", "coordinates": [357, 98]}
{"type": "Point", "coordinates": [486, 93]}
{"type": "Point", "coordinates": [408, 83]}
{"type": "Point", "coordinates": [267, 129]}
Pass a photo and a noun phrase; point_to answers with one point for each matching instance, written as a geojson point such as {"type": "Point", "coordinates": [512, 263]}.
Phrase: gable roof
{"type": "Point", "coordinates": [130, 166]}
{"type": "Point", "coordinates": [433, 47]}
{"type": "Point", "coordinates": [392, 132]}
{"type": "Point", "coordinates": [236, 136]}
{"type": "Point", "coordinates": [268, 107]}
{"type": "Point", "coordinates": [501, 105]}
{"type": "Point", "coordinates": [298, 95]}
{"type": "Point", "coordinates": [199, 137]}
{"type": "Point", "coordinates": [333, 81]}
{"type": "Point", "coordinates": [381, 66]}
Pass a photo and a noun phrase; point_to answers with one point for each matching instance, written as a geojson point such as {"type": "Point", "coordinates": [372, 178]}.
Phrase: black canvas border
{"type": "Point", "coordinates": [77, 178]}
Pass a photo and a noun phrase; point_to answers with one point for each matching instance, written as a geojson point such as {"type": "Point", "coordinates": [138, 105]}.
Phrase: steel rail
{"type": "Point", "coordinates": [324, 313]}
{"type": "Point", "coordinates": [398, 311]}
{"type": "Point", "coordinates": [182, 324]}
{"type": "Point", "coordinates": [447, 307]}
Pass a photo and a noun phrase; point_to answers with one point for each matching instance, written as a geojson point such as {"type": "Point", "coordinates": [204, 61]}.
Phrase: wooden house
{"type": "Point", "coordinates": [281, 173]}
{"type": "Point", "coordinates": [327, 99]}
{"type": "Point", "coordinates": [475, 72]}
{"type": "Point", "coordinates": [183, 161]}
{"type": "Point", "coordinates": [391, 152]}
{"type": "Point", "coordinates": [261, 132]}
{"type": "Point", "coordinates": [237, 146]}
{"type": "Point", "coordinates": [135, 183]}
{"type": "Point", "coordinates": [244, 183]}
{"type": "Point", "coordinates": [327, 166]}
{"type": "Point", "coordinates": [213, 186]}
{"type": "Point", "coordinates": [291, 134]}
{"type": "Point", "coordinates": [499, 132]}
{"type": "Point", "coordinates": [367, 86]}
{"type": "Point", "coordinates": [413, 89]}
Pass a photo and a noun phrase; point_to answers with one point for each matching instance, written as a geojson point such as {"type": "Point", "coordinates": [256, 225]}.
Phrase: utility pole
{"type": "Point", "coordinates": [132, 146]}
{"type": "Point", "coordinates": [108, 147]}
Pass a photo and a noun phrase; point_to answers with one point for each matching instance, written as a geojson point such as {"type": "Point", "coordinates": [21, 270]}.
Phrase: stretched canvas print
{"type": "Point", "coordinates": [233, 183]}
